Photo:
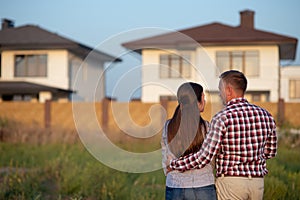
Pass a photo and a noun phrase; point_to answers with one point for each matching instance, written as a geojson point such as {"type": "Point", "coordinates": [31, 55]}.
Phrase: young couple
{"type": "Point", "coordinates": [239, 140]}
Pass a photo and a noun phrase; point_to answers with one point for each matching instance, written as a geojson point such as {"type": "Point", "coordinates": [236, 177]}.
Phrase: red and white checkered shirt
{"type": "Point", "coordinates": [241, 136]}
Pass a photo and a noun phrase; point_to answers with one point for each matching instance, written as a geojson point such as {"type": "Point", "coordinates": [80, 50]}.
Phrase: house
{"type": "Point", "coordinates": [290, 83]}
{"type": "Point", "coordinates": [201, 53]}
{"type": "Point", "coordinates": [36, 65]}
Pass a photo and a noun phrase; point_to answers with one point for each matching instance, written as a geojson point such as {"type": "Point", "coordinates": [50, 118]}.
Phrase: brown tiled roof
{"type": "Point", "coordinates": [217, 34]}
{"type": "Point", "coordinates": [33, 37]}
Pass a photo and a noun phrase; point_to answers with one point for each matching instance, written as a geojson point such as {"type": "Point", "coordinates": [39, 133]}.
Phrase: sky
{"type": "Point", "coordinates": [105, 25]}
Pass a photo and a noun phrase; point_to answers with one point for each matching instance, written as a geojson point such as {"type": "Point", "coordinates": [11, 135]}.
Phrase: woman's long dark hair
{"type": "Point", "coordinates": [187, 129]}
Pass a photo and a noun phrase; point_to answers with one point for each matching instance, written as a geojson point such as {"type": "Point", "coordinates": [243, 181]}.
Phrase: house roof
{"type": "Point", "coordinates": [23, 87]}
{"type": "Point", "coordinates": [217, 34]}
{"type": "Point", "coordinates": [35, 38]}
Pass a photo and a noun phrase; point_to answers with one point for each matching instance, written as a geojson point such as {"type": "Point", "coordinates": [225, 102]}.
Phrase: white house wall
{"type": "Point", "coordinates": [288, 73]}
{"type": "Point", "coordinates": [87, 79]}
{"type": "Point", "coordinates": [57, 70]}
{"type": "Point", "coordinates": [59, 67]}
{"type": "Point", "coordinates": [152, 85]}
{"type": "Point", "coordinates": [206, 73]}
{"type": "Point", "coordinates": [207, 70]}
{"type": "Point", "coordinates": [268, 74]}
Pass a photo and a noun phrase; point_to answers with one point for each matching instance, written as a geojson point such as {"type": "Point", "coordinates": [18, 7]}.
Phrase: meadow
{"type": "Point", "coordinates": [48, 169]}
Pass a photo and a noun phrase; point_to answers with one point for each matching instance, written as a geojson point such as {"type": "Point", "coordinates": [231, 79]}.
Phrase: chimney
{"type": "Point", "coordinates": [247, 19]}
{"type": "Point", "coordinates": [7, 23]}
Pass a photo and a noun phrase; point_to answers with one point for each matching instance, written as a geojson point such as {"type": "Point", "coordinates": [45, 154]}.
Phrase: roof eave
{"type": "Point", "coordinates": [24, 87]}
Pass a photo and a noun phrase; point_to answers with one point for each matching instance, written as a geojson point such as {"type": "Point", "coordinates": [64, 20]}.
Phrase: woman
{"type": "Point", "coordinates": [183, 134]}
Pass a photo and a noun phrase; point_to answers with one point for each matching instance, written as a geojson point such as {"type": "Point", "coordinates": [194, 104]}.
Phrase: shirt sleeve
{"type": "Point", "coordinates": [270, 150]}
{"type": "Point", "coordinates": [207, 152]}
{"type": "Point", "coordinates": [164, 149]}
{"type": "Point", "coordinates": [167, 155]}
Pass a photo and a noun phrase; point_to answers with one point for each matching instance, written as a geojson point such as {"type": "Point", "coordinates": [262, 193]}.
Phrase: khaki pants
{"type": "Point", "coordinates": [239, 188]}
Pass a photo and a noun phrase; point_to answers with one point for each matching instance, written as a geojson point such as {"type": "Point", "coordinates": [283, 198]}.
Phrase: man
{"type": "Point", "coordinates": [241, 137]}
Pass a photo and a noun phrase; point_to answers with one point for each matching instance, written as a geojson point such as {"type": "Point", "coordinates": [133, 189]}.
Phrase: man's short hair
{"type": "Point", "coordinates": [235, 78]}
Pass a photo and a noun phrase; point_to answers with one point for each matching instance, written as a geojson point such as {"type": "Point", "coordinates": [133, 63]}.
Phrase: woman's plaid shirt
{"type": "Point", "coordinates": [241, 137]}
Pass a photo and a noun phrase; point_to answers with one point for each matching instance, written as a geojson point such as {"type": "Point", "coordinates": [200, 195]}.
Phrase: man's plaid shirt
{"type": "Point", "coordinates": [241, 136]}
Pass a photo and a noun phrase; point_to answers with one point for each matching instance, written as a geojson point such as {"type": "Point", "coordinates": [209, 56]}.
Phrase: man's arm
{"type": "Point", "coordinates": [270, 150]}
{"type": "Point", "coordinates": [208, 150]}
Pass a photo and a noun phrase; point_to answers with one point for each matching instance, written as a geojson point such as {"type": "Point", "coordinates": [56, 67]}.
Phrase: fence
{"type": "Point", "coordinates": [116, 115]}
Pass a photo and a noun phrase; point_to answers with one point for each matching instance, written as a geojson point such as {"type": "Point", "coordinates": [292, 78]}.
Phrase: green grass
{"type": "Point", "coordinates": [69, 172]}
{"type": "Point", "coordinates": [65, 171]}
{"type": "Point", "coordinates": [283, 180]}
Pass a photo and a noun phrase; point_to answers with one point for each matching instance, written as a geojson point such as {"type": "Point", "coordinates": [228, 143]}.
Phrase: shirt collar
{"type": "Point", "coordinates": [237, 100]}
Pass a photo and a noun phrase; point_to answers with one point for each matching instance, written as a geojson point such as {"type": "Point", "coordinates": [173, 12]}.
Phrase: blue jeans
{"type": "Point", "coordinates": [199, 193]}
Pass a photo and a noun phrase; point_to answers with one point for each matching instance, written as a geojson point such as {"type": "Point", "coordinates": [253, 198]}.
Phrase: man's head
{"type": "Point", "coordinates": [233, 84]}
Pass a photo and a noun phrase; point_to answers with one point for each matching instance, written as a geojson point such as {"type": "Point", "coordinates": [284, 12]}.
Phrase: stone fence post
{"type": "Point", "coordinates": [280, 112]}
{"type": "Point", "coordinates": [47, 114]}
{"type": "Point", "coordinates": [105, 108]}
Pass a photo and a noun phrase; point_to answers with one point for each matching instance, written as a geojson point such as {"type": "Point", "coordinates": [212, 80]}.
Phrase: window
{"type": "Point", "coordinates": [244, 61]}
{"type": "Point", "coordinates": [258, 96]}
{"type": "Point", "coordinates": [31, 65]}
{"type": "Point", "coordinates": [175, 66]}
{"type": "Point", "coordinates": [294, 89]}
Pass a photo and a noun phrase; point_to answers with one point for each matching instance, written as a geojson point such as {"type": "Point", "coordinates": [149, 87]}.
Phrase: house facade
{"type": "Point", "coordinates": [37, 65]}
{"type": "Point", "coordinates": [201, 53]}
{"type": "Point", "coordinates": [290, 83]}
